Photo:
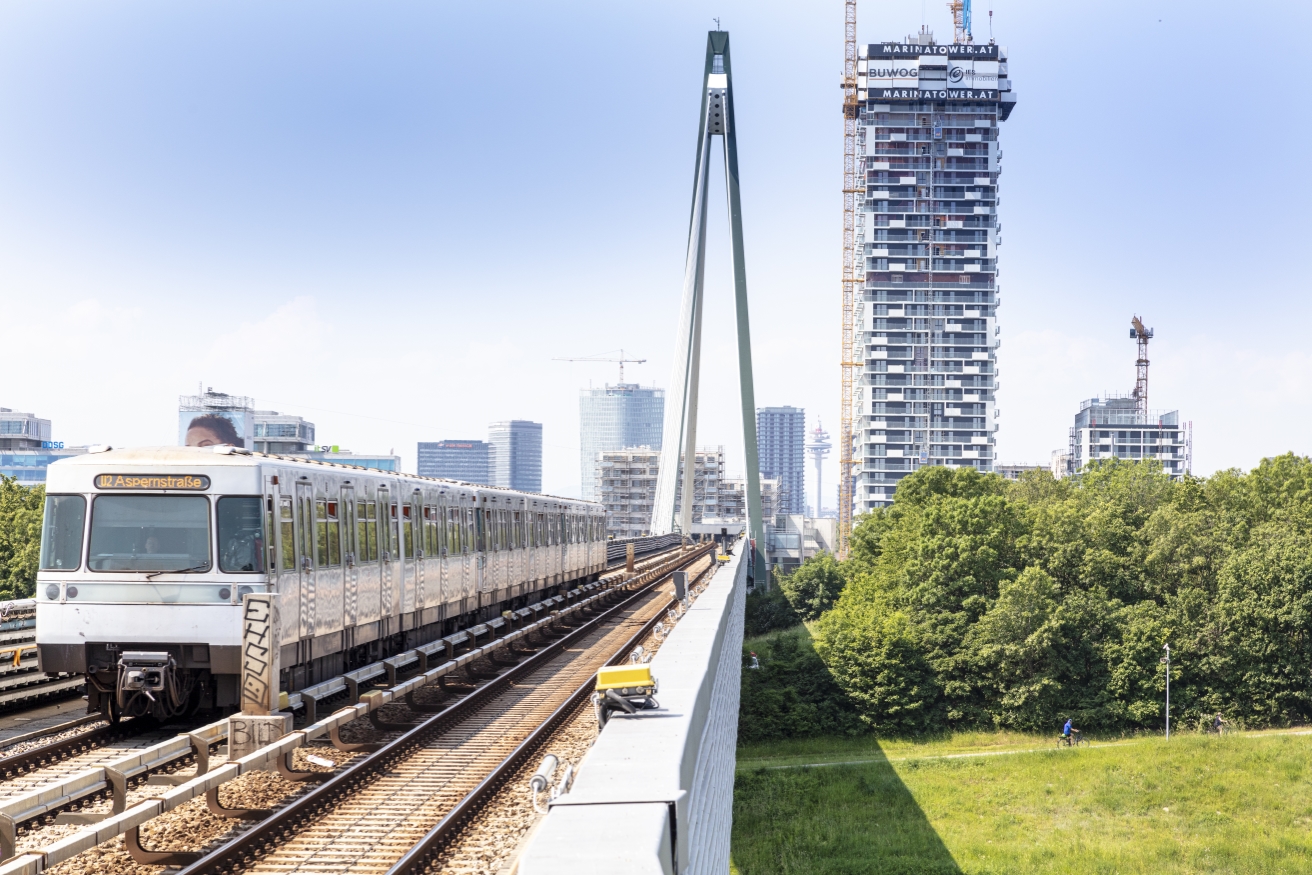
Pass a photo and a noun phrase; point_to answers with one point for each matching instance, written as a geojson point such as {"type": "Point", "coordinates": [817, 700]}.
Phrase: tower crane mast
{"type": "Point", "coordinates": [853, 275]}
{"type": "Point", "coordinates": [1142, 335]}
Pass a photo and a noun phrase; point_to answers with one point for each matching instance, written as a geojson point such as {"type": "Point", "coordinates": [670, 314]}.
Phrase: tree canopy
{"type": "Point", "coordinates": [976, 601]}
{"type": "Point", "coordinates": [20, 537]}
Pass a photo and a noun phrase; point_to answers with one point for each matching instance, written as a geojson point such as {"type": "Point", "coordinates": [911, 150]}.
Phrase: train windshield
{"type": "Point", "coordinates": [150, 533]}
{"type": "Point", "coordinates": [61, 532]}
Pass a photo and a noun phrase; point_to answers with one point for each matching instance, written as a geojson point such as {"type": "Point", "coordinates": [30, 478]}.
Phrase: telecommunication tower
{"type": "Point", "coordinates": [818, 447]}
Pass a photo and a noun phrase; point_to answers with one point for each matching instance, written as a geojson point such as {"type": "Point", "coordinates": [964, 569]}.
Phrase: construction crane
{"type": "Point", "coordinates": [853, 275]}
{"type": "Point", "coordinates": [961, 21]}
{"type": "Point", "coordinates": [1143, 335]}
{"type": "Point", "coordinates": [597, 358]}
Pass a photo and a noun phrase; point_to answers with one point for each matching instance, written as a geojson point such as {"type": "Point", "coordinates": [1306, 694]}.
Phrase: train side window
{"type": "Point", "coordinates": [346, 520]}
{"type": "Point", "coordinates": [287, 534]}
{"type": "Point", "coordinates": [270, 535]}
{"type": "Point", "coordinates": [366, 530]}
{"type": "Point", "coordinates": [321, 533]}
{"type": "Point", "coordinates": [334, 535]}
{"type": "Point", "coordinates": [61, 532]}
{"type": "Point", "coordinates": [392, 541]}
{"type": "Point", "coordinates": [407, 531]}
{"type": "Point", "coordinates": [490, 540]}
{"type": "Point", "coordinates": [241, 534]}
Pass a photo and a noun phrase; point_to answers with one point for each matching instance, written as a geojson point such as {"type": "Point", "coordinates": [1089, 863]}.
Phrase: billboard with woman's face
{"type": "Point", "coordinates": [212, 428]}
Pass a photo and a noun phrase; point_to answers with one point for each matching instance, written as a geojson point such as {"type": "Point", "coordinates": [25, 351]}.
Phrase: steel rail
{"type": "Point", "coordinates": [249, 846]}
{"type": "Point", "coordinates": [47, 755]}
{"type": "Point", "coordinates": [427, 849]}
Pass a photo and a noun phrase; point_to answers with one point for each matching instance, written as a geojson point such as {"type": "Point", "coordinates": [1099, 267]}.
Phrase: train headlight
{"type": "Point", "coordinates": [225, 593]}
{"type": "Point", "coordinates": [72, 592]}
{"type": "Point", "coordinates": [52, 591]}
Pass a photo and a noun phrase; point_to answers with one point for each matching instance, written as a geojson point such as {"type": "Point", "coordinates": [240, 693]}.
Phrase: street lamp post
{"type": "Point", "coordinates": [1166, 660]}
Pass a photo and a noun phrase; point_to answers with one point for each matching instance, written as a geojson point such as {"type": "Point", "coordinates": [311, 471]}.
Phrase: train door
{"type": "Point", "coordinates": [351, 560]}
{"type": "Point", "coordinates": [491, 551]}
{"type": "Point", "coordinates": [412, 551]}
{"type": "Point", "coordinates": [305, 543]}
{"type": "Point", "coordinates": [471, 553]}
{"type": "Point", "coordinates": [287, 562]}
{"type": "Point", "coordinates": [387, 549]}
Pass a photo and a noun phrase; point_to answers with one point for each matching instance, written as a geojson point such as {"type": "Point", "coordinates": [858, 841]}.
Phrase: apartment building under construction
{"type": "Point", "coordinates": [929, 233]}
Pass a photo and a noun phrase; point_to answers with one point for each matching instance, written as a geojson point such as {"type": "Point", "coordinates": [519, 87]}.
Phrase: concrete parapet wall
{"type": "Point", "coordinates": [655, 794]}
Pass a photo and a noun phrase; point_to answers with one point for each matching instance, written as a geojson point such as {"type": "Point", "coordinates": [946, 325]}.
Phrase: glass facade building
{"type": "Point", "coordinates": [282, 433]}
{"type": "Point", "coordinates": [466, 461]}
{"type": "Point", "coordinates": [26, 449]}
{"type": "Point", "coordinates": [927, 316]}
{"type": "Point", "coordinates": [615, 417]}
{"type": "Point", "coordinates": [780, 449]}
{"type": "Point", "coordinates": [515, 454]}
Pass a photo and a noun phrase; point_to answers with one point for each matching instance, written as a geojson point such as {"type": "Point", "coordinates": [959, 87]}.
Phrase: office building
{"type": "Point", "coordinates": [626, 485]}
{"type": "Point", "coordinates": [791, 539]}
{"type": "Point", "coordinates": [928, 230]}
{"type": "Point", "coordinates": [463, 460]}
{"type": "Point", "coordinates": [615, 417]}
{"type": "Point", "coordinates": [282, 433]}
{"type": "Point", "coordinates": [26, 449]}
{"type": "Point", "coordinates": [781, 451]}
{"type": "Point", "coordinates": [515, 454]}
{"type": "Point", "coordinates": [374, 461]}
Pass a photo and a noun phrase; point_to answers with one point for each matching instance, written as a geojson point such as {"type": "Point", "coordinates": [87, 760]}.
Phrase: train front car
{"type": "Point", "coordinates": [145, 555]}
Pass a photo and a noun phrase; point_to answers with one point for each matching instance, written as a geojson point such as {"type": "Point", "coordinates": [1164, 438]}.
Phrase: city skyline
{"type": "Point", "coordinates": [149, 182]}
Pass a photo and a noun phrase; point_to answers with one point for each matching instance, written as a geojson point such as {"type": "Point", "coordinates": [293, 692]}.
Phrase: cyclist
{"type": "Point", "coordinates": [1218, 723]}
{"type": "Point", "coordinates": [1069, 733]}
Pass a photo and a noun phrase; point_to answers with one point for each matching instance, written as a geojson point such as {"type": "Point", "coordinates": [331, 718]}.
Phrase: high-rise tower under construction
{"type": "Point", "coordinates": [929, 232]}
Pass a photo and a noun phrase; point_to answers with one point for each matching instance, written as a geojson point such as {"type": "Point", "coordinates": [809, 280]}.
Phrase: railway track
{"type": "Point", "coordinates": [487, 828]}
{"type": "Point", "coordinates": [375, 812]}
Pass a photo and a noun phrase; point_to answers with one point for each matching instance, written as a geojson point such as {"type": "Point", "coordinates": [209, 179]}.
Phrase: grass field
{"type": "Point", "coordinates": [977, 804]}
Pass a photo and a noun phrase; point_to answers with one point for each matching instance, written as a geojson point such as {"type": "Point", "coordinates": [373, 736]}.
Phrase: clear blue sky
{"type": "Point", "coordinates": [390, 217]}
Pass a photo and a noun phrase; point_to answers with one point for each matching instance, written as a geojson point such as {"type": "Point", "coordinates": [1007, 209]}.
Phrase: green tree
{"type": "Point", "coordinates": [814, 587]}
{"type": "Point", "coordinates": [20, 537]}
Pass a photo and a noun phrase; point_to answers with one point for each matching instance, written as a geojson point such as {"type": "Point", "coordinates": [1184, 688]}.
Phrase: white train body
{"type": "Point", "coordinates": [365, 563]}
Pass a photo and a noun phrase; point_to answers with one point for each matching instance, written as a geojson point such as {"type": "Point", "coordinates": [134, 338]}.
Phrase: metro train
{"type": "Point", "coordinates": [146, 554]}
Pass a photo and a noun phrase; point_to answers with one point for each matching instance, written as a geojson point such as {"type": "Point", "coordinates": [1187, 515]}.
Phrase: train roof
{"type": "Point", "coordinates": [239, 458]}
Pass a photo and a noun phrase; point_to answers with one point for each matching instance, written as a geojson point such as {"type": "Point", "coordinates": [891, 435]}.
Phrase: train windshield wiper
{"type": "Point", "coordinates": [178, 571]}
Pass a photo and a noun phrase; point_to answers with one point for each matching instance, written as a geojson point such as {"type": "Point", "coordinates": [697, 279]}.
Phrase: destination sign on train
{"type": "Point", "coordinates": [152, 481]}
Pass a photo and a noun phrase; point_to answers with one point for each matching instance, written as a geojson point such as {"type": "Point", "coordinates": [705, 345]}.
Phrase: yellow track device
{"type": "Point", "coordinates": [625, 677]}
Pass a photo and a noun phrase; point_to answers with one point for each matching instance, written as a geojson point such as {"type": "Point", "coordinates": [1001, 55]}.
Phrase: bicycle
{"type": "Point", "coordinates": [1075, 740]}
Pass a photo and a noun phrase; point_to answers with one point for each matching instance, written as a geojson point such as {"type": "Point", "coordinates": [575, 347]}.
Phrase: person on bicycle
{"type": "Point", "coordinates": [1218, 722]}
{"type": "Point", "coordinates": [1069, 732]}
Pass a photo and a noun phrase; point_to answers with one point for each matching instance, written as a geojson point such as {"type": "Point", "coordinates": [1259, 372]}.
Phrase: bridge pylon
{"type": "Point", "coordinates": [680, 435]}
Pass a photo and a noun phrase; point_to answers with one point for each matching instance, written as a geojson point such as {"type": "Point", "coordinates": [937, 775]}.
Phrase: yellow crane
{"type": "Point", "coordinates": [853, 276]}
